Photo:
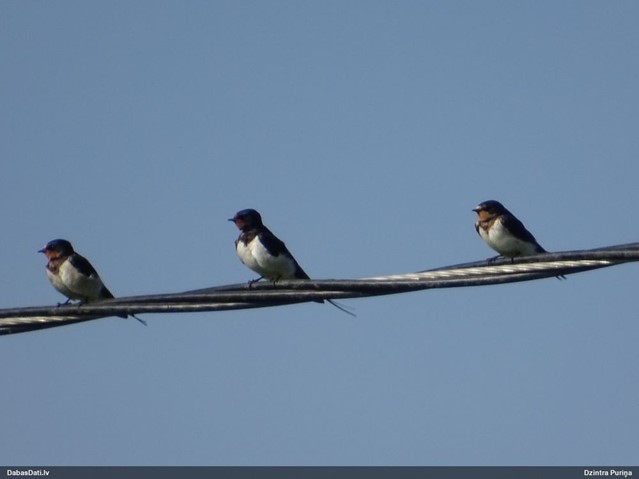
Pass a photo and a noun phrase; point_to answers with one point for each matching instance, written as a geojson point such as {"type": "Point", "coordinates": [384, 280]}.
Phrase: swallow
{"type": "Point", "coordinates": [503, 232]}
{"type": "Point", "coordinates": [263, 252]}
{"type": "Point", "coordinates": [73, 276]}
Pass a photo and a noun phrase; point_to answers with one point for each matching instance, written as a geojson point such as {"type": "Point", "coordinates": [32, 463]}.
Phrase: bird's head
{"type": "Point", "coordinates": [490, 209]}
{"type": "Point", "coordinates": [247, 219]}
{"type": "Point", "coordinates": [57, 248]}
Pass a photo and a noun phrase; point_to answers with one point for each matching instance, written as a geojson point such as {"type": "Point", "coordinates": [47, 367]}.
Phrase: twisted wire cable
{"type": "Point", "coordinates": [266, 294]}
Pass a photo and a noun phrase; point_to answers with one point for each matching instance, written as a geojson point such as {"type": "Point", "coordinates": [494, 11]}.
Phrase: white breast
{"type": "Point", "coordinates": [256, 256]}
{"type": "Point", "coordinates": [58, 283]}
{"type": "Point", "coordinates": [502, 241]}
{"type": "Point", "coordinates": [75, 285]}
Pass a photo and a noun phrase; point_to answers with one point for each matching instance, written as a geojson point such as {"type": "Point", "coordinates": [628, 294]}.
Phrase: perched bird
{"type": "Point", "coordinates": [72, 274]}
{"type": "Point", "coordinates": [265, 253]}
{"type": "Point", "coordinates": [262, 251]}
{"type": "Point", "coordinates": [503, 232]}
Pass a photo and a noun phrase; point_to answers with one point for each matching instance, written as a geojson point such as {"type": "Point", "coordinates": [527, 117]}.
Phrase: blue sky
{"type": "Point", "coordinates": [364, 132]}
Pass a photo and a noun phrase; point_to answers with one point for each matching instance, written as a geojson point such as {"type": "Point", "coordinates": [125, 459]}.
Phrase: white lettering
{"type": "Point", "coordinates": [621, 472]}
{"type": "Point", "coordinates": [28, 472]}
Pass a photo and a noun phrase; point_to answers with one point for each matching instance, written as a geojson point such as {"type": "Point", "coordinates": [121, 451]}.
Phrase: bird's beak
{"type": "Point", "coordinates": [476, 210]}
{"type": "Point", "coordinates": [41, 250]}
{"type": "Point", "coordinates": [232, 219]}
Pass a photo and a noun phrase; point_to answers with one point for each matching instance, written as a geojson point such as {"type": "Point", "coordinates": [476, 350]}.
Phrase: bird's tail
{"type": "Point", "coordinates": [342, 307]}
{"type": "Point", "coordinates": [127, 316]}
{"type": "Point", "coordinates": [106, 294]}
{"type": "Point", "coordinates": [134, 316]}
{"type": "Point", "coordinates": [541, 251]}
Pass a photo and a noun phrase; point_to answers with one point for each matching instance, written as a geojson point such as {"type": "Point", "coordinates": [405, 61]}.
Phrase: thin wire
{"type": "Point", "coordinates": [260, 295]}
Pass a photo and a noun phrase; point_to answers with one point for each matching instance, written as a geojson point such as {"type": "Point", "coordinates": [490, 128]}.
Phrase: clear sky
{"type": "Point", "coordinates": [364, 132]}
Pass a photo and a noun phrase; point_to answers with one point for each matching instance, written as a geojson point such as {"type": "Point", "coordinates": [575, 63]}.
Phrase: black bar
{"type": "Point", "coordinates": [319, 472]}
